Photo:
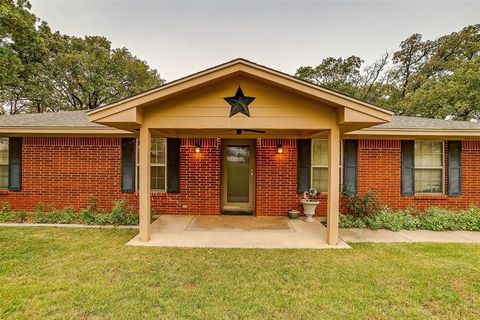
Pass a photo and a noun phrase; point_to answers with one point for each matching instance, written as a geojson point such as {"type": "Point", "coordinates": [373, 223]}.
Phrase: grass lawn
{"type": "Point", "coordinates": [90, 273]}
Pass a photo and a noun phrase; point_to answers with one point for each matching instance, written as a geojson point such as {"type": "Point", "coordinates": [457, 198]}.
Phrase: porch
{"type": "Point", "coordinates": [237, 232]}
{"type": "Point", "coordinates": [237, 100]}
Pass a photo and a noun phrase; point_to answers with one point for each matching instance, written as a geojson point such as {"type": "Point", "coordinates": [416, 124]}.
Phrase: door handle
{"type": "Point", "coordinates": [251, 172]}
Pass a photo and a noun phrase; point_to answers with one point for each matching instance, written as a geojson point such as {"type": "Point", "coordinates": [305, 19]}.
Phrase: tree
{"type": "Point", "coordinates": [428, 78]}
{"type": "Point", "coordinates": [338, 74]}
{"type": "Point", "coordinates": [41, 70]}
{"type": "Point", "coordinates": [87, 73]}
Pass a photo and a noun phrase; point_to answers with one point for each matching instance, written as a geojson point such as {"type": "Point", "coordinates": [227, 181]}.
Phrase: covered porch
{"type": "Point", "coordinates": [237, 232]}
{"type": "Point", "coordinates": [236, 101]}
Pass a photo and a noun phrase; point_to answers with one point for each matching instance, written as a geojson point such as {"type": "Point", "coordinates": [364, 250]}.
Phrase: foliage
{"type": "Point", "coordinates": [362, 205]}
{"type": "Point", "coordinates": [429, 78]}
{"type": "Point", "coordinates": [121, 214]}
{"type": "Point", "coordinates": [41, 70]}
{"type": "Point", "coordinates": [433, 218]}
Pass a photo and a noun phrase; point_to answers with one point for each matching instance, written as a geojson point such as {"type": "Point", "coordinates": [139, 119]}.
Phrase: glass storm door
{"type": "Point", "coordinates": [238, 176]}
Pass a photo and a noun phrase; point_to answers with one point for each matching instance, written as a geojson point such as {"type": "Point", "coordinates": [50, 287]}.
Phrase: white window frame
{"type": "Point", "coordinates": [312, 166]}
{"type": "Point", "coordinates": [7, 164]}
{"type": "Point", "coordinates": [326, 166]}
{"type": "Point", "coordinates": [431, 168]}
{"type": "Point", "coordinates": [137, 157]}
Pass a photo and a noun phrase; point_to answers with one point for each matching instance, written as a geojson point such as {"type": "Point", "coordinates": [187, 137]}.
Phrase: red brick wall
{"type": "Point", "coordinates": [199, 181]}
{"type": "Point", "coordinates": [276, 179]}
{"type": "Point", "coordinates": [379, 171]}
{"type": "Point", "coordinates": [67, 171]}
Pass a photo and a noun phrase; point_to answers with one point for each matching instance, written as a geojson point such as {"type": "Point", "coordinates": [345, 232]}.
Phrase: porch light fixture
{"type": "Point", "coordinates": [197, 147]}
{"type": "Point", "coordinates": [279, 148]}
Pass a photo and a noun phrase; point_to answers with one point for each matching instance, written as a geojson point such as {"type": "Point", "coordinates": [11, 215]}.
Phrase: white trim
{"type": "Point", "coordinates": [430, 168]}
{"type": "Point", "coordinates": [151, 165]}
{"type": "Point", "coordinates": [312, 166]}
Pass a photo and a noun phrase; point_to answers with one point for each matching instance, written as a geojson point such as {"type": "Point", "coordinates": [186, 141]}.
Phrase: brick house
{"type": "Point", "coordinates": [236, 138]}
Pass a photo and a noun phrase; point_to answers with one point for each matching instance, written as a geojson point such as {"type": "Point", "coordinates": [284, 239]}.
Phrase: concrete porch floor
{"type": "Point", "coordinates": [237, 232]}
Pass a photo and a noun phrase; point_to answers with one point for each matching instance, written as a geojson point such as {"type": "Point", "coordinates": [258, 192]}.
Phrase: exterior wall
{"type": "Point", "coordinates": [379, 171]}
{"type": "Point", "coordinates": [276, 179]}
{"type": "Point", "coordinates": [67, 171]}
{"type": "Point", "coordinates": [199, 181]}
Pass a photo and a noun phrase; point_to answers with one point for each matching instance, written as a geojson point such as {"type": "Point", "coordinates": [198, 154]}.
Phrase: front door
{"type": "Point", "coordinates": [238, 176]}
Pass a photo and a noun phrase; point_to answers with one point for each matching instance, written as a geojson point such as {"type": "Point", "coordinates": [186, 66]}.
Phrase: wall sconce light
{"type": "Point", "coordinates": [197, 147]}
{"type": "Point", "coordinates": [279, 148]}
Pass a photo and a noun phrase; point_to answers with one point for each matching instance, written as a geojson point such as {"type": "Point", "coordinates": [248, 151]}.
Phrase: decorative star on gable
{"type": "Point", "coordinates": [239, 103]}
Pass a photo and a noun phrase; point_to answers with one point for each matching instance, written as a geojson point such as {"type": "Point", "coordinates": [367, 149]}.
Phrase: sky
{"type": "Point", "coordinates": [179, 38]}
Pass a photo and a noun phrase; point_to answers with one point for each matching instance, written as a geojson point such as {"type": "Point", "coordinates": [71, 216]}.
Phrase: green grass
{"type": "Point", "coordinates": [91, 274]}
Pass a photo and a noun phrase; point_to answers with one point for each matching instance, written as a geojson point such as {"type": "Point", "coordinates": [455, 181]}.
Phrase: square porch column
{"type": "Point", "coordinates": [144, 184]}
{"type": "Point", "coordinates": [333, 185]}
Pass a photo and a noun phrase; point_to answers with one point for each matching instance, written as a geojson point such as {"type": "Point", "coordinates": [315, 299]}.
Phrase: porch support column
{"type": "Point", "coordinates": [333, 185]}
{"type": "Point", "coordinates": [144, 184]}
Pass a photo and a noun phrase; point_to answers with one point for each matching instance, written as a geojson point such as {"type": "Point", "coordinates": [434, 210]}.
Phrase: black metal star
{"type": "Point", "coordinates": [239, 103]}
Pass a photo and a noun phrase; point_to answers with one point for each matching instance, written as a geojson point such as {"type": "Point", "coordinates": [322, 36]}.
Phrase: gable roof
{"type": "Point", "coordinates": [238, 61]}
{"type": "Point", "coordinates": [127, 112]}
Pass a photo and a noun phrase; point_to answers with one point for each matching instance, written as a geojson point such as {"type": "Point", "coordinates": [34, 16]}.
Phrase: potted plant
{"type": "Point", "coordinates": [309, 202]}
{"type": "Point", "coordinates": [293, 214]}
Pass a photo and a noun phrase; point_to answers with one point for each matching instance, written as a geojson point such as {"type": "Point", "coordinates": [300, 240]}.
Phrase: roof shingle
{"type": "Point", "coordinates": [79, 119]}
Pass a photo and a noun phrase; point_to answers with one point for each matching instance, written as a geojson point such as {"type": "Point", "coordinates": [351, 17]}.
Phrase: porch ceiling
{"type": "Point", "coordinates": [284, 105]}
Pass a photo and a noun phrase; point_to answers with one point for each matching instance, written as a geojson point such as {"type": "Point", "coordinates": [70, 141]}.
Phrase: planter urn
{"type": "Point", "coordinates": [309, 206]}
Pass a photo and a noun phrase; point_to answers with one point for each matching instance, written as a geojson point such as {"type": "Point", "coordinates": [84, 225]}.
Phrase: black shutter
{"type": "Point", "coordinates": [304, 164]}
{"type": "Point", "coordinates": [173, 165]}
{"type": "Point", "coordinates": [454, 168]}
{"type": "Point", "coordinates": [408, 167]}
{"type": "Point", "coordinates": [15, 164]}
{"type": "Point", "coordinates": [350, 164]}
{"type": "Point", "coordinates": [128, 164]}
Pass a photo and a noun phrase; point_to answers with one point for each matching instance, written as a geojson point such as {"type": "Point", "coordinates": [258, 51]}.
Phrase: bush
{"type": "Point", "coordinates": [433, 218]}
{"type": "Point", "coordinates": [390, 220]}
{"type": "Point", "coordinates": [349, 221]}
{"type": "Point", "coordinates": [437, 219]}
{"type": "Point", "coordinates": [86, 217]}
{"type": "Point", "coordinates": [65, 216]}
{"type": "Point", "coordinates": [361, 206]}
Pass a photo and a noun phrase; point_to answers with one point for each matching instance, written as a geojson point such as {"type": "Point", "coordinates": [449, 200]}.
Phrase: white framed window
{"type": "Point", "coordinates": [158, 165]}
{"type": "Point", "coordinates": [3, 163]}
{"type": "Point", "coordinates": [319, 172]}
{"type": "Point", "coordinates": [429, 167]}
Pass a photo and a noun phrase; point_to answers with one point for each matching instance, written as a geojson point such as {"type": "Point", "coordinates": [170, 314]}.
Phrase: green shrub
{"type": "Point", "coordinates": [433, 218]}
{"type": "Point", "coordinates": [349, 221]}
{"type": "Point", "coordinates": [470, 219]}
{"type": "Point", "coordinates": [8, 217]}
{"type": "Point", "coordinates": [52, 215]}
{"type": "Point", "coordinates": [437, 219]}
{"type": "Point", "coordinates": [22, 216]}
{"type": "Point", "coordinates": [362, 205]}
{"type": "Point", "coordinates": [6, 208]}
{"type": "Point", "coordinates": [121, 212]}
{"type": "Point", "coordinates": [391, 220]}
{"type": "Point", "coordinates": [103, 219]}
{"type": "Point", "coordinates": [92, 204]}
{"type": "Point", "coordinates": [86, 216]}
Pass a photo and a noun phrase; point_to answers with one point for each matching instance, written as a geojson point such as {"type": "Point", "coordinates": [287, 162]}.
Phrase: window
{"type": "Point", "coordinates": [3, 163]}
{"type": "Point", "coordinates": [158, 165]}
{"type": "Point", "coordinates": [429, 166]}
{"type": "Point", "coordinates": [320, 165]}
